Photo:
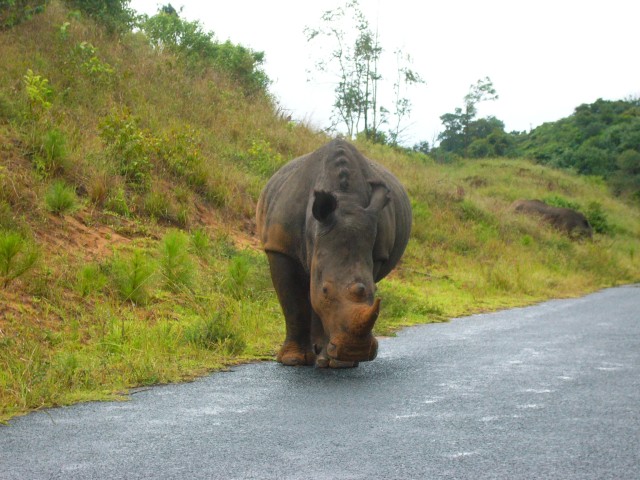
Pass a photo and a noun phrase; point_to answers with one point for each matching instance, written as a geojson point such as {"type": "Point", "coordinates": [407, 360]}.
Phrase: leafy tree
{"type": "Point", "coordinates": [356, 55]}
{"type": "Point", "coordinates": [13, 12]}
{"type": "Point", "coordinates": [115, 15]}
{"type": "Point", "coordinates": [459, 126]}
{"type": "Point", "coordinates": [602, 138]}
{"type": "Point", "coordinates": [167, 31]}
{"type": "Point", "coordinates": [627, 178]}
{"type": "Point", "coordinates": [422, 147]}
{"type": "Point", "coordinates": [406, 77]}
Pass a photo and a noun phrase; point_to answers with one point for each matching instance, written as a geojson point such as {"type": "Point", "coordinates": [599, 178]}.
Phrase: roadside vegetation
{"type": "Point", "coordinates": [129, 173]}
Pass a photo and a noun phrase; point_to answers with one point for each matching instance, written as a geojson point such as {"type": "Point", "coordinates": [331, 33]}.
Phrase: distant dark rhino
{"type": "Point", "coordinates": [332, 223]}
{"type": "Point", "coordinates": [566, 220]}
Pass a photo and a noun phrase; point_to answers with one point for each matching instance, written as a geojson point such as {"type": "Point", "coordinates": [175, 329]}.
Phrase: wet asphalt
{"type": "Point", "coordinates": [550, 391]}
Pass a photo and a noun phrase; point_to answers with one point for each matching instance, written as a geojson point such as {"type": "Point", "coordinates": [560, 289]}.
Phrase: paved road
{"type": "Point", "coordinates": [550, 391]}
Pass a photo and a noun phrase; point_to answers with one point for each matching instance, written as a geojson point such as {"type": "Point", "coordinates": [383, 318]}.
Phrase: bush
{"type": "Point", "coordinates": [237, 275]}
{"type": "Point", "coordinates": [38, 91]}
{"type": "Point", "coordinates": [13, 12]}
{"type": "Point", "coordinates": [90, 279]}
{"type": "Point", "coordinates": [263, 160]}
{"type": "Point", "coordinates": [178, 271]}
{"type": "Point", "coordinates": [216, 331]}
{"type": "Point", "coordinates": [7, 220]}
{"type": "Point", "coordinates": [558, 201]}
{"type": "Point", "coordinates": [17, 256]}
{"type": "Point", "coordinates": [198, 48]}
{"type": "Point", "coordinates": [126, 146]}
{"type": "Point", "coordinates": [60, 198]}
{"type": "Point", "coordinates": [200, 243]}
{"type": "Point", "coordinates": [98, 71]}
{"type": "Point", "coordinates": [115, 15]}
{"type": "Point", "coordinates": [132, 276]}
{"type": "Point", "coordinates": [598, 218]}
{"type": "Point", "coordinates": [52, 156]}
{"type": "Point", "coordinates": [158, 206]}
{"type": "Point", "coordinates": [116, 202]}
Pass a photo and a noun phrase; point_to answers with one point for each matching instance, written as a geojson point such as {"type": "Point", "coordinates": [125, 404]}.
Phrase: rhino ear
{"type": "Point", "coordinates": [324, 204]}
{"type": "Point", "coordinates": [379, 196]}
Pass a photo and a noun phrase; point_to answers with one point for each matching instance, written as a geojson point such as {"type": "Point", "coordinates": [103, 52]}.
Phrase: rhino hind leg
{"type": "Point", "coordinates": [292, 287]}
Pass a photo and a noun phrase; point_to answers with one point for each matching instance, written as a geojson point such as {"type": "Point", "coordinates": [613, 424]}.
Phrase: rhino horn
{"type": "Point", "coordinates": [365, 318]}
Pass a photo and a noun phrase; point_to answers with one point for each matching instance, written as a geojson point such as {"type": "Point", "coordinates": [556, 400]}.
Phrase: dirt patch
{"type": "Point", "coordinates": [74, 234]}
{"type": "Point", "coordinates": [242, 232]}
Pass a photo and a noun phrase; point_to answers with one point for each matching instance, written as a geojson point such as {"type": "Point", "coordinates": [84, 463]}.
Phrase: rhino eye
{"type": "Point", "coordinates": [325, 290]}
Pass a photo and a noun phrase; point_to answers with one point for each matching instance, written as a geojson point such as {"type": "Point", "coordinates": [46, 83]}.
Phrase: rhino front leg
{"type": "Point", "coordinates": [292, 287]}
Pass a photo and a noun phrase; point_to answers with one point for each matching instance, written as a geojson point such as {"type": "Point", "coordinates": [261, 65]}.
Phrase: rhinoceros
{"type": "Point", "coordinates": [332, 224]}
{"type": "Point", "coordinates": [567, 220]}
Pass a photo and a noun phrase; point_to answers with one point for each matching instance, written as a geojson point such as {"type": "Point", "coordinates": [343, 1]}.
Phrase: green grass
{"type": "Point", "coordinates": [156, 277]}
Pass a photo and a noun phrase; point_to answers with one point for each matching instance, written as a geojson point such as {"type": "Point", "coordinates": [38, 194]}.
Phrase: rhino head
{"type": "Point", "coordinates": [340, 245]}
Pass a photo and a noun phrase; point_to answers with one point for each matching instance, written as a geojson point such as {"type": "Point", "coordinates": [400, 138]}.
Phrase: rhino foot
{"type": "Point", "coordinates": [293, 354]}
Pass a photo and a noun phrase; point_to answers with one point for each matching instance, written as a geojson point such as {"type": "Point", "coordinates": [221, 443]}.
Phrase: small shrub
{"type": "Point", "coordinates": [117, 202]}
{"type": "Point", "coordinates": [178, 271]}
{"type": "Point", "coordinates": [17, 256]}
{"type": "Point", "coordinates": [237, 275]}
{"type": "Point", "coordinates": [126, 146]}
{"type": "Point", "coordinates": [526, 240]}
{"type": "Point", "coordinates": [223, 246]}
{"type": "Point", "coordinates": [13, 12]}
{"type": "Point", "coordinates": [558, 201]}
{"type": "Point", "coordinates": [8, 110]}
{"type": "Point", "coordinates": [200, 243]}
{"type": "Point", "coordinates": [98, 188]}
{"type": "Point", "coordinates": [38, 91]}
{"type": "Point", "coordinates": [7, 220]}
{"type": "Point", "coordinates": [469, 211]}
{"type": "Point", "coordinates": [52, 155]}
{"type": "Point", "coordinates": [216, 331]}
{"type": "Point", "coordinates": [90, 279]}
{"type": "Point", "coordinates": [87, 59]}
{"type": "Point", "coordinates": [598, 218]}
{"type": "Point", "coordinates": [158, 205]}
{"type": "Point", "coordinates": [132, 277]}
{"type": "Point", "coordinates": [60, 198]}
{"type": "Point", "coordinates": [115, 15]}
{"type": "Point", "coordinates": [263, 160]}
{"type": "Point", "coordinates": [180, 151]}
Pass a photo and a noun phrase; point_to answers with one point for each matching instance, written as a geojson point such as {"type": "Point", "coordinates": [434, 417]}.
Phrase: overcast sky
{"type": "Point", "coordinates": [545, 57]}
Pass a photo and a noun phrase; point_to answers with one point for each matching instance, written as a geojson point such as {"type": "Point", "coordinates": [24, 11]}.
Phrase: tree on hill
{"type": "Point", "coordinates": [199, 48]}
{"type": "Point", "coordinates": [355, 54]}
{"type": "Point", "coordinates": [12, 12]}
{"type": "Point", "coordinates": [602, 138]}
{"type": "Point", "coordinates": [470, 137]}
{"type": "Point", "coordinates": [115, 15]}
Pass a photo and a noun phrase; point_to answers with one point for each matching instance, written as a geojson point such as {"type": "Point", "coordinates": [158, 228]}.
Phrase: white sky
{"type": "Point", "coordinates": [545, 57]}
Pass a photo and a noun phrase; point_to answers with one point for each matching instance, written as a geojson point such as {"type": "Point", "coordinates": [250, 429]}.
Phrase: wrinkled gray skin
{"type": "Point", "coordinates": [332, 223]}
{"type": "Point", "coordinates": [566, 220]}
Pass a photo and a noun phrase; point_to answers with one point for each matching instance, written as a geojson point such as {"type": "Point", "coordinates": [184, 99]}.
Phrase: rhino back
{"type": "Point", "coordinates": [281, 209]}
{"type": "Point", "coordinates": [283, 205]}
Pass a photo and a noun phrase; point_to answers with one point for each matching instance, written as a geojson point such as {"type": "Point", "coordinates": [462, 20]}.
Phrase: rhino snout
{"type": "Point", "coordinates": [360, 350]}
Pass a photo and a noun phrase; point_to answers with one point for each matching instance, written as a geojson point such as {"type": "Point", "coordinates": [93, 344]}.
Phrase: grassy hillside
{"type": "Point", "coordinates": [127, 248]}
